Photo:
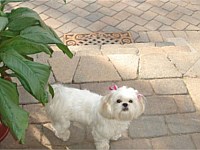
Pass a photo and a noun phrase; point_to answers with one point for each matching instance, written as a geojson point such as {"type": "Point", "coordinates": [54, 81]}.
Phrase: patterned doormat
{"type": "Point", "coordinates": [97, 38]}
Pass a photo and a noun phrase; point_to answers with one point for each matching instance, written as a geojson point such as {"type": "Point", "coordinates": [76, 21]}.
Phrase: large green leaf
{"type": "Point", "coordinates": [24, 46]}
{"type": "Point", "coordinates": [39, 35]}
{"type": "Point", "coordinates": [33, 76]}
{"type": "Point", "coordinates": [21, 13]}
{"type": "Point", "coordinates": [12, 115]}
{"type": "Point", "coordinates": [3, 22]}
{"type": "Point", "coordinates": [65, 50]}
{"type": "Point", "coordinates": [22, 23]}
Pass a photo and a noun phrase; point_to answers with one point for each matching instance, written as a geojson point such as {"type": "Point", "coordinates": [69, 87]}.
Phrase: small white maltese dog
{"type": "Point", "coordinates": [108, 115]}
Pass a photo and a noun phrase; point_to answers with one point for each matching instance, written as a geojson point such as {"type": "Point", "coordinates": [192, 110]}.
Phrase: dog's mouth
{"type": "Point", "coordinates": [125, 109]}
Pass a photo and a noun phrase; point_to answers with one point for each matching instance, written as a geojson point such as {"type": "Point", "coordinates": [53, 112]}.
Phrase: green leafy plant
{"type": "Point", "coordinates": [23, 33]}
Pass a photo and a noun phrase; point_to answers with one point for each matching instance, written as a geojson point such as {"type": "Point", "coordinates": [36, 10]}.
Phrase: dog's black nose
{"type": "Point", "coordinates": [125, 104]}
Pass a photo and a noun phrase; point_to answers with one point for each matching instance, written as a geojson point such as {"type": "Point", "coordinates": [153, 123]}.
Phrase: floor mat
{"type": "Point", "coordinates": [97, 38]}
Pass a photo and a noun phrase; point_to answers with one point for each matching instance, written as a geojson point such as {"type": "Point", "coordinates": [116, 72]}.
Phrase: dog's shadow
{"type": "Point", "coordinates": [80, 137]}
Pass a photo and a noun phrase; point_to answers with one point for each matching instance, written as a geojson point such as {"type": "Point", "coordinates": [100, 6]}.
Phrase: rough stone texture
{"type": "Point", "coordinates": [194, 70]}
{"type": "Point", "coordinates": [184, 103]}
{"type": "Point", "coordinates": [169, 86]}
{"type": "Point", "coordinates": [151, 66]}
{"type": "Point", "coordinates": [183, 123]}
{"type": "Point", "coordinates": [126, 65]}
{"type": "Point", "coordinates": [37, 113]}
{"type": "Point", "coordinates": [173, 142]}
{"type": "Point", "coordinates": [96, 68]}
{"type": "Point", "coordinates": [184, 61]}
{"type": "Point", "coordinates": [151, 126]}
{"type": "Point", "coordinates": [143, 86]}
{"type": "Point", "coordinates": [84, 145]}
{"type": "Point", "coordinates": [131, 144]}
{"type": "Point", "coordinates": [193, 86]}
{"type": "Point", "coordinates": [64, 68]}
{"type": "Point", "coordinates": [158, 105]}
{"type": "Point", "coordinates": [196, 139]}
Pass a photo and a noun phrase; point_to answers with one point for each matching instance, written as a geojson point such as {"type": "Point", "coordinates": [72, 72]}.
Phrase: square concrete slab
{"type": "Point", "coordinates": [95, 68]}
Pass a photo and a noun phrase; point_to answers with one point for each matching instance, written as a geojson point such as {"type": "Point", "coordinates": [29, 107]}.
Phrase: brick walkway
{"type": "Point", "coordinates": [164, 67]}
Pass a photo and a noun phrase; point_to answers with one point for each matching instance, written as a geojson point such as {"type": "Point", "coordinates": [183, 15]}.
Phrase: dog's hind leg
{"type": "Point", "coordinates": [62, 129]}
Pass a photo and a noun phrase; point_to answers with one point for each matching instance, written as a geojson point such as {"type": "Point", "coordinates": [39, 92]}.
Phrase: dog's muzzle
{"type": "Point", "coordinates": [125, 107]}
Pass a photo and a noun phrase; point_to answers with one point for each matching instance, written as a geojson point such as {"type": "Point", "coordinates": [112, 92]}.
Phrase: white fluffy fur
{"type": "Point", "coordinates": [103, 113]}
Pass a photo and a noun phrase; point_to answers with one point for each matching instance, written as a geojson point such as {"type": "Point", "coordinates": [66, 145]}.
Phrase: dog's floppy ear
{"type": "Point", "coordinates": [105, 108]}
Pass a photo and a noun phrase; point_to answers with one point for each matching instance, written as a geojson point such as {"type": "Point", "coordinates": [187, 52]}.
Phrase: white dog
{"type": "Point", "coordinates": [108, 115]}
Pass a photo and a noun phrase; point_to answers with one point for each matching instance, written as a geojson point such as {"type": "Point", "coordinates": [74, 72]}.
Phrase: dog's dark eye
{"type": "Point", "coordinates": [119, 101]}
{"type": "Point", "coordinates": [130, 101]}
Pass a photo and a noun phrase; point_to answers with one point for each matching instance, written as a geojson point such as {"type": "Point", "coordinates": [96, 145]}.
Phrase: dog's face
{"type": "Point", "coordinates": [122, 104]}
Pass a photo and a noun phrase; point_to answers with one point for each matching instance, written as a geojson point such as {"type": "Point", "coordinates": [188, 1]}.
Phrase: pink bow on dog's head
{"type": "Point", "coordinates": [113, 87]}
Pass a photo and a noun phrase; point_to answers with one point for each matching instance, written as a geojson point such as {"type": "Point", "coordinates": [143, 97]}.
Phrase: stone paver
{"type": "Point", "coordinates": [60, 63]}
{"type": "Point", "coordinates": [164, 105]}
{"type": "Point", "coordinates": [196, 138]}
{"type": "Point", "coordinates": [127, 65]}
{"type": "Point", "coordinates": [169, 86]}
{"type": "Point", "coordinates": [183, 123]}
{"type": "Point", "coordinates": [193, 86]}
{"type": "Point", "coordinates": [97, 68]}
{"type": "Point", "coordinates": [145, 127]}
{"type": "Point", "coordinates": [173, 142]}
{"type": "Point", "coordinates": [150, 68]}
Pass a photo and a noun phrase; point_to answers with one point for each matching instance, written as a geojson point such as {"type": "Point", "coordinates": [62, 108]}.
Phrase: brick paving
{"type": "Point", "coordinates": [163, 65]}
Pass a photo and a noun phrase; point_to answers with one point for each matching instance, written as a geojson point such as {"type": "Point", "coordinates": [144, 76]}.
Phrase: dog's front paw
{"type": "Point", "coordinates": [102, 145]}
{"type": "Point", "coordinates": [115, 138]}
{"type": "Point", "coordinates": [63, 136]}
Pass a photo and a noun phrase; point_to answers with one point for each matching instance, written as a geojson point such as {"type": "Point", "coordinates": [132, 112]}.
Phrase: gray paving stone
{"type": "Point", "coordinates": [53, 13]}
{"type": "Point", "coordinates": [193, 86]}
{"type": "Point", "coordinates": [169, 6]}
{"type": "Point", "coordinates": [69, 66]}
{"type": "Point", "coordinates": [66, 17]}
{"type": "Point", "coordinates": [166, 34]}
{"type": "Point", "coordinates": [80, 12]}
{"type": "Point", "coordinates": [93, 7]}
{"type": "Point", "coordinates": [77, 135]}
{"type": "Point", "coordinates": [85, 50]}
{"type": "Point", "coordinates": [53, 23]}
{"type": "Point", "coordinates": [119, 6]}
{"type": "Point", "coordinates": [126, 65]}
{"type": "Point", "coordinates": [99, 88]}
{"type": "Point", "coordinates": [159, 11]}
{"type": "Point", "coordinates": [96, 26]}
{"type": "Point", "coordinates": [184, 10]}
{"type": "Point", "coordinates": [143, 38]}
{"type": "Point", "coordinates": [150, 62]}
{"type": "Point", "coordinates": [84, 145]}
{"type": "Point", "coordinates": [183, 123]}
{"type": "Point", "coordinates": [53, 4]}
{"type": "Point", "coordinates": [190, 20]}
{"type": "Point", "coordinates": [159, 105]}
{"type": "Point", "coordinates": [40, 8]}
{"type": "Point", "coordinates": [125, 25]}
{"type": "Point", "coordinates": [181, 34]}
{"type": "Point", "coordinates": [196, 139]}
{"type": "Point", "coordinates": [110, 50]}
{"type": "Point", "coordinates": [37, 113]}
{"type": "Point", "coordinates": [107, 11]}
{"type": "Point", "coordinates": [148, 126]}
{"type": "Point", "coordinates": [110, 20]}
{"type": "Point", "coordinates": [194, 70]}
{"type": "Point", "coordinates": [137, 20]}
{"type": "Point", "coordinates": [155, 36]}
{"type": "Point", "coordinates": [173, 142]}
{"type": "Point", "coordinates": [148, 15]}
{"type": "Point", "coordinates": [144, 6]}
{"type": "Point", "coordinates": [81, 22]}
{"type": "Point", "coordinates": [94, 16]}
{"type": "Point", "coordinates": [131, 144]}
{"type": "Point", "coordinates": [134, 10]}
{"type": "Point", "coordinates": [180, 25]}
{"type": "Point", "coordinates": [122, 15]}
{"type": "Point", "coordinates": [143, 86]}
{"type": "Point", "coordinates": [193, 35]}
{"type": "Point", "coordinates": [110, 28]}
{"type": "Point", "coordinates": [164, 20]}
{"type": "Point", "coordinates": [184, 103]}
{"type": "Point", "coordinates": [97, 68]}
{"type": "Point", "coordinates": [153, 25]}
{"type": "Point", "coordinates": [169, 86]}
{"type": "Point", "coordinates": [164, 44]}
{"type": "Point", "coordinates": [184, 61]}
{"type": "Point", "coordinates": [67, 27]}
{"type": "Point", "coordinates": [166, 28]}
